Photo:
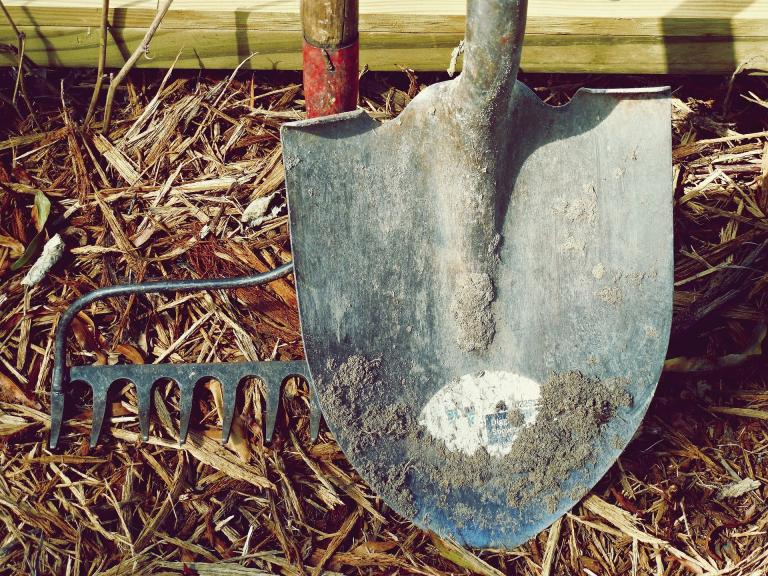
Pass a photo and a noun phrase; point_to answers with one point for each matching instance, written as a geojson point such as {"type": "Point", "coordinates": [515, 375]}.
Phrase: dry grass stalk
{"type": "Point", "coordinates": [102, 61]}
{"type": "Point", "coordinates": [19, 85]}
{"type": "Point", "coordinates": [141, 50]}
{"type": "Point", "coordinates": [162, 194]}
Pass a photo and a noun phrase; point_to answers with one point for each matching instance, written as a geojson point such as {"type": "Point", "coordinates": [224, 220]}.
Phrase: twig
{"type": "Point", "coordinates": [20, 86]}
{"type": "Point", "coordinates": [548, 563]}
{"type": "Point", "coordinates": [20, 72]}
{"type": "Point", "coordinates": [20, 36]}
{"type": "Point", "coordinates": [141, 49]}
{"type": "Point", "coordinates": [102, 62]}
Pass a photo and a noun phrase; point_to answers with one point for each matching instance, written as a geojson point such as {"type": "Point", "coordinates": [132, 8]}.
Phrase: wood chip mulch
{"type": "Point", "coordinates": [162, 195]}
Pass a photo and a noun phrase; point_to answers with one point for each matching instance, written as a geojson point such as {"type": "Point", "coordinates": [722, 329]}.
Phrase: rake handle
{"type": "Point", "coordinates": [331, 56]}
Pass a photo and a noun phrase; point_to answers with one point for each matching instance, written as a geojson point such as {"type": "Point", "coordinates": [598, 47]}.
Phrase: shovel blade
{"type": "Point", "coordinates": [485, 297]}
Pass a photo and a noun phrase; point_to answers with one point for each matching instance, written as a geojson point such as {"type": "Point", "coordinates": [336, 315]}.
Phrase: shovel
{"type": "Point", "coordinates": [485, 286]}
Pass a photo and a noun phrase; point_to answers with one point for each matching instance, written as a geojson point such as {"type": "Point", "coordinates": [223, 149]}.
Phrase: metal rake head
{"type": "Point", "coordinates": [186, 376]}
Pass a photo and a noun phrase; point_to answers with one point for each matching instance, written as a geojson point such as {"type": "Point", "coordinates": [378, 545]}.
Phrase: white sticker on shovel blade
{"type": "Point", "coordinates": [487, 409]}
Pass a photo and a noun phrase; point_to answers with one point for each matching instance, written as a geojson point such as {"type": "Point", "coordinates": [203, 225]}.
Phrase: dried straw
{"type": "Point", "coordinates": [162, 194]}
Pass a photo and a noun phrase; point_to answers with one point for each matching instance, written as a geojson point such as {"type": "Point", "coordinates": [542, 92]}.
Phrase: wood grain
{"type": "Point", "coordinates": [624, 36]}
{"type": "Point", "coordinates": [329, 23]}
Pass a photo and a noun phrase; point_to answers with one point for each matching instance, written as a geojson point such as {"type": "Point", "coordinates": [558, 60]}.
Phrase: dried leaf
{"type": "Point", "coordinates": [21, 175]}
{"type": "Point", "coordinates": [83, 328]}
{"type": "Point", "coordinates": [131, 353]}
{"type": "Point", "coordinates": [32, 250]}
{"type": "Point", "coordinates": [41, 210]}
{"type": "Point", "coordinates": [16, 247]}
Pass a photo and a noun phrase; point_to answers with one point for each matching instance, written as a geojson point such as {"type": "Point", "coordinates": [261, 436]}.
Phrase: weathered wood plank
{"type": "Point", "coordinates": [626, 36]}
{"type": "Point", "coordinates": [617, 17]}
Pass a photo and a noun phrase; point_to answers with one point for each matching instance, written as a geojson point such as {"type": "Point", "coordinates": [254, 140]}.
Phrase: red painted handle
{"type": "Point", "coordinates": [330, 79]}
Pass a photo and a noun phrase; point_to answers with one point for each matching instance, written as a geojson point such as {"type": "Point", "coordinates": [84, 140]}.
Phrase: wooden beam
{"type": "Point", "coordinates": [612, 36]}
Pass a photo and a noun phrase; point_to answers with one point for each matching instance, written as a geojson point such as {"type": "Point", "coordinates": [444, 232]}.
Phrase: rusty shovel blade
{"type": "Point", "coordinates": [485, 286]}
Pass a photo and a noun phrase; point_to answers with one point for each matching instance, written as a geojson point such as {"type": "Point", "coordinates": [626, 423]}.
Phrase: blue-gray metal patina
{"type": "Point", "coordinates": [485, 232]}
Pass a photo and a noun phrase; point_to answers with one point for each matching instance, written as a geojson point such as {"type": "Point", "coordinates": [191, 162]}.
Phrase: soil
{"type": "Point", "coordinates": [370, 424]}
{"type": "Point", "coordinates": [572, 411]}
{"type": "Point", "coordinates": [471, 310]}
{"type": "Point", "coordinates": [516, 418]}
{"type": "Point", "coordinates": [611, 295]}
{"type": "Point", "coordinates": [395, 454]}
{"type": "Point", "coordinates": [598, 271]}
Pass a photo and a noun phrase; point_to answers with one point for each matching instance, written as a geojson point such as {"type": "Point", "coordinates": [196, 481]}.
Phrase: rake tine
{"type": "Point", "coordinates": [186, 394]}
{"type": "Point", "coordinates": [144, 401]}
{"type": "Point", "coordinates": [272, 395]}
{"type": "Point", "coordinates": [57, 415]}
{"type": "Point", "coordinates": [60, 368]}
{"type": "Point", "coordinates": [314, 414]}
{"type": "Point", "coordinates": [99, 410]}
{"type": "Point", "coordinates": [228, 400]}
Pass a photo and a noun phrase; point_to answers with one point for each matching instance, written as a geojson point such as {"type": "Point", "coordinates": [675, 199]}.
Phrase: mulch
{"type": "Point", "coordinates": [162, 195]}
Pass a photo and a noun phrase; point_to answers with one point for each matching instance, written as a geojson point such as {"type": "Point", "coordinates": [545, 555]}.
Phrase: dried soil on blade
{"type": "Point", "coordinates": [395, 453]}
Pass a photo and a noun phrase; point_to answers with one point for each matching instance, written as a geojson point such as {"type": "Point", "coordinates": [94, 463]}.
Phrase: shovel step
{"type": "Point", "coordinates": [187, 377]}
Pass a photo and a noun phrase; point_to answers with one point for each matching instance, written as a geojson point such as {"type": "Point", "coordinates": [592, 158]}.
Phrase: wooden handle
{"type": "Point", "coordinates": [329, 23]}
{"type": "Point", "coordinates": [331, 59]}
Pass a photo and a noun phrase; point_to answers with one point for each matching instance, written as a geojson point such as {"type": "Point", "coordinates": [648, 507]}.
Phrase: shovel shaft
{"type": "Point", "coordinates": [492, 49]}
{"type": "Point", "coordinates": [330, 56]}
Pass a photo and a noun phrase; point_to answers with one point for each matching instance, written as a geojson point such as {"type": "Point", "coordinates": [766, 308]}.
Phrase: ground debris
{"type": "Point", "coordinates": [202, 148]}
{"type": "Point", "coordinates": [52, 252]}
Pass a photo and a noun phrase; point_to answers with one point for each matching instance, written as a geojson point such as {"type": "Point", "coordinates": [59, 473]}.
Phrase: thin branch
{"type": "Point", "coordinates": [20, 37]}
{"type": "Point", "coordinates": [19, 86]}
{"type": "Point", "coordinates": [141, 50]}
{"type": "Point", "coordinates": [20, 72]}
{"type": "Point", "coordinates": [10, 20]}
{"type": "Point", "coordinates": [102, 62]}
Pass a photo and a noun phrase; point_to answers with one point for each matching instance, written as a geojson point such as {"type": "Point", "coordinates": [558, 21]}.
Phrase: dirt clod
{"type": "Point", "coordinates": [611, 295]}
{"type": "Point", "coordinates": [354, 401]}
{"type": "Point", "coordinates": [572, 411]}
{"type": "Point", "coordinates": [471, 309]}
{"type": "Point", "coordinates": [516, 418]}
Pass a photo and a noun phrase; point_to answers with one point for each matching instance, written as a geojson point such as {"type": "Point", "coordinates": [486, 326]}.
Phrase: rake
{"type": "Point", "coordinates": [186, 376]}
